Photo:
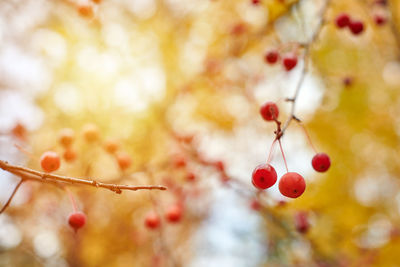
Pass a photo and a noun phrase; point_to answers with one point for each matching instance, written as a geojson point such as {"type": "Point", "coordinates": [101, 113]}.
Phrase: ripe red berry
{"type": "Point", "coordinates": [321, 162]}
{"type": "Point", "coordinates": [174, 213]}
{"type": "Point", "coordinates": [289, 62]}
{"type": "Point", "coordinates": [264, 176]}
{"type": "Point", "coordinates": [50, 161]}
{"type": "Point", "coordinates": [379, 20]}
{"type": "Point", "coordinates": [356, 27]}
{"type": "Point", "coordinates": [301, 222]}
{"type": "Point", "coordinates": [269, 111]}
{"type": "Point", "coordinates": [342, 20]}
{"type": "Point", "coordinates": [292, 185]}
{"type": "Point", "coordinates": [271, 57]}
{"type": "Point", "coordinates": [255, 2]}
{"type": "Point", "coordinates": [152, 220]}
{"type": "Point", "coordinates": [77, 220]}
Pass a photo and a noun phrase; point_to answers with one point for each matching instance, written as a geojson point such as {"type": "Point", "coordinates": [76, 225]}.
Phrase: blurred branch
{"type": "Point", "coordinates": [306, 55]}
{"type": "Point", "coordinates": [12, 196]}
{"type": "Point", "coordinates": [29, 174]}
{"type": "Point", "coordinates": [393, 22]}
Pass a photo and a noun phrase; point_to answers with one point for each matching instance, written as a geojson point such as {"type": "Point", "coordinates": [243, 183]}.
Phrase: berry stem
{"type": "Point", "coordinates": [271, 150]}
{"type": "Point", "coordinates": [308, 136]}
{"type": "Point", "coordinates": [306, 53]}
{"type": "Point", "coordinates": [283, 155]}
{"type": "Point", "coordinates": [12, 196]}
{"type": "Point", "coordinates": [72, 199]}
{"type": "Point", "coordinates": [26, 152]}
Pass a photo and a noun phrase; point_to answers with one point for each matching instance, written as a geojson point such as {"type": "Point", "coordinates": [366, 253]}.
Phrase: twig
{"type": "Point", "coordinates": [306, 54]}
{"type": "Point", "coordinates": [12, 196]}
{"type": "Point", "coordinates": [29, 174]}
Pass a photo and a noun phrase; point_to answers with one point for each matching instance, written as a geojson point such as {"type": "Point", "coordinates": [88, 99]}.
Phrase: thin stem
{"type": "Point", "coordinates": [26, 173]}
{"type": "Point", "coordinates": [72, 199]}
{"type": "Point", "coordinates": [283, 155]}
{"type": "Point", "coordinates": [306, 54]}
{"type": "Point", "coordinates": [271, 151]}
{"type": "Point", "coordinates": [12, 196]}
{"type": "Point", "coordinates": [308, 136]}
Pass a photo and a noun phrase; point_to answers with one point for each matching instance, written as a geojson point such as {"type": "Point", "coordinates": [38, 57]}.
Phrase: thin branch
{"type": "Point", "coordinates": [29, 174]}
{"type": "Point", "coordinates": [393, 22]}
{"type": "Point", "coordinates": [306, 55]}
{"type": "Point", "coordinates": [12, 196]}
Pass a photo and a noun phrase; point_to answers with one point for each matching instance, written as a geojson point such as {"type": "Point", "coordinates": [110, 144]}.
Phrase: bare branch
{"type": "Point", "coordinates": [29, 174]}
{"type": "Point", "coordinates": [306, 55]}
{"type": "Point", "coordinates": [11, 197]}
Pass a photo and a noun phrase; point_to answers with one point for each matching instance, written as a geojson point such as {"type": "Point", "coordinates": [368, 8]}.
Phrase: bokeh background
{"type": "Point", "coordinates": [176, 79]}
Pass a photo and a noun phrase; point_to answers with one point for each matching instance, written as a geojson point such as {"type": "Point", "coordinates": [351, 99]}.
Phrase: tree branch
{"type": "Point", "coordinates": [306, 55]}
{"type": "Point", "coordinates": [29, 174]}
{"type": "Point", "coordinates": [12, 196]}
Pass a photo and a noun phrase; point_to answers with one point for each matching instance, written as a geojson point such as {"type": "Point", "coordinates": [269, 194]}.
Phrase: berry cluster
{"type": "Point", "coordinates": [173, 214]}
{"type": "Point", "coordinates": [343, 20]}
{"type": "Point", "coordinates": [291, 184]}
{"type": "Point", "coordinates": [50, 161]}
{"type": "Point", "coordinates": [289, 60]}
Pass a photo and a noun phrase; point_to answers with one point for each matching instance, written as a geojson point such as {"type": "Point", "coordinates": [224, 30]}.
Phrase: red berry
{"type": "Point", "coordinates": [50, 161]}
{"type": "Point", "coordinates": [66, 137]}
{"type": "Point", "coordinates": [381, 2]}
{"type": "Point", "coordinates": [77, 220]}
{"type": "Point", "coordinates": [342, 20]}
{"type": "Point", "coordinates": [19, 131]}
{"type": "Point", "coordinates": [292, 185]}
{"type": "Point", "coordinates": [174, 213]}
{"type": "Point", "coordinates": [301, 222]}
{"type": "Point", "coordinates": [255, 205]}
{"type": "Point", "coordinates": [269, 111]}
{"type": "Point", "coordinates": [220, 166]}
{"type": "Point", "coordinates": [264, 176]}
{"type": "Point", "coordinates": [356, 27]}
{"type": "Point", "coordinates": [347, 81]}
{"type": "Point", "coordinates": [152, 220]}
{"type": "Point", "coordinates": [69, 154]}
{"type": "Point", "coordinates": [85, 11]}
{"type": "Point", "coordinates": [379, 20]}
{"type": "Point", "coordinates": [271, 57]}
{"type": "Point", "coordinates": [179, 161]}
{"type": "Point", "coordinates": [255, 2]}
{"type": "Point", "coordinates": [321, 162]}
{"type": "Point", "coordinates": [289, 62]}
{"type": "Point", "coordinates": [190, 177]}
{"type": "Point", "coordinates": [124, 160]}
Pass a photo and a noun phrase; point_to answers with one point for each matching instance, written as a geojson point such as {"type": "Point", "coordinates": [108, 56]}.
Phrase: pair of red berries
{"type": "Point", "coordinates": [172, 215]}
{"type": "Point", "coordinates": [291, 184]}
{"type": "Point", "coordinates": [343, 20]}
{"type": "Point", "coordinates": [289, 61]}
